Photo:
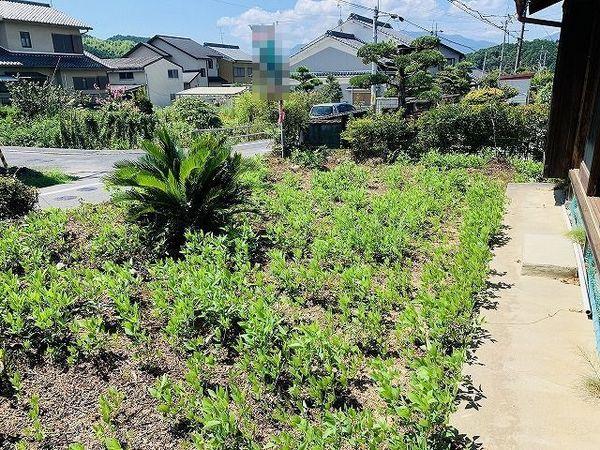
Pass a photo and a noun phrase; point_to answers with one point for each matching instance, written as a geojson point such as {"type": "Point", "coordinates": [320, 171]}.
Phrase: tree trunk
{"type": "Point", "coordinates": [3, 160]}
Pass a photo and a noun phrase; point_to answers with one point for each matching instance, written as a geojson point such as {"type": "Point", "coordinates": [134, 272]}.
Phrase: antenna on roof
{"type": "Point", "coordinates": [340, 21]}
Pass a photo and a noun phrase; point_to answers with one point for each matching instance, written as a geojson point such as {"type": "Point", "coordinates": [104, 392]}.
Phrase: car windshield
{"type": "Point", "coordinates": [321, 111]}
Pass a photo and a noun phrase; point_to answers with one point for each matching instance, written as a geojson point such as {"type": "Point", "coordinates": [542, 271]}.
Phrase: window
{"type": "Point", "coordinates": [451, 61]}
{"type": "Point", "coordinates": [249, 71]}
{"type": "Point", "coordinates": [89, 83]}
{"type": "Point", "coordinates": [173, 97]}
{"type": "Point", "coordinates": [173, 73]}
{"type": "Point", "coordinates": [239, 72]}
{"type": "Point", "coordinates": [126, 76]}
{"type": "Point", "coordinates": [25, 39]}
{"type": "Point", "coordinates": [210, 63]}
{"type": "Point", "coordinates": [67, 43]}
{"type": "Point", "coordinates": [345, 107]}
{"type": "Point", "coordinates": [203, 73]}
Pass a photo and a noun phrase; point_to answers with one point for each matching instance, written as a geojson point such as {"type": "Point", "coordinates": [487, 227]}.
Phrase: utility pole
{"type": "Point", "coordinates": [520, 46]}
{"type": "Point", "coordinates": [374, 65]}
{"type": "Point", "coordinates": [484, 62]}
{"type": "Point", "coordinates": [503, 45]}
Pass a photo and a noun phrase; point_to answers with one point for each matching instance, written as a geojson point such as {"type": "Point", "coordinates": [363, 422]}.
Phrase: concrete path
{"type": "Point", "coordinates": [90, 166]}
{"type": "Point", "coordinates": [527, 376]}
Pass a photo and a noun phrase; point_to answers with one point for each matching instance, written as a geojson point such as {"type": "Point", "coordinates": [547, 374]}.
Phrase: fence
{"type": "Point", "coordinates": [239, 134]}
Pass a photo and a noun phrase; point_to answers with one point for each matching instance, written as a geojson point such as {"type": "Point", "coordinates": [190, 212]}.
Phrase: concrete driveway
{"type": "Point", "coordinates": [90, 166]}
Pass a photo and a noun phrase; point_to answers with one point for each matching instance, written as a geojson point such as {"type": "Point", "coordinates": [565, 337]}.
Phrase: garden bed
{"type": "Point", "coordinates": [337, 315]}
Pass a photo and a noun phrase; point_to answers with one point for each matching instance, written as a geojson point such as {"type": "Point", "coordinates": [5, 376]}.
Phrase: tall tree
{"type": "Point", "coordinates": [406, 70]}
{"type": "Point", "coordinates": [455, 79]}
{"type": "Point", "coordinates": [331, 90]}
{"type": "Point", "coordinates": [308, 82]}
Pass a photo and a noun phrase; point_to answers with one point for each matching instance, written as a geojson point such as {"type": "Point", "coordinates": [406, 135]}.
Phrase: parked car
{"type": "Point", "coordinates": [331, 109]}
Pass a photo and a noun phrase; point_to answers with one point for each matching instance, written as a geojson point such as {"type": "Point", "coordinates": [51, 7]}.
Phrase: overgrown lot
{"type": "Point", "coordinates": [336, 315]}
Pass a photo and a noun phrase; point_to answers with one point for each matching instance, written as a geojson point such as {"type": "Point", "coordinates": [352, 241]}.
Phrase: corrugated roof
{"type": "Point", "coordinates": [131, 63]}
{"type": "Point", "coordinates": [48, 60]}
{"type": "Point", "coordinates": [37, 13]}
{"type": "Point", "coordinates": [232, 51]}
{"type": "Point", "coordinates": [189, 46]}
{"type": "Point", "coordinates": [156, 50]}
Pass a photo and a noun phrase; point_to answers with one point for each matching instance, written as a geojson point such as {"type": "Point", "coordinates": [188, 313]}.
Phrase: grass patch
{"type": "Point", "coordinates": [337, 315]}
{"type": "Point", "coordinates": [46, 178]}
{"type": "Point", "coordinates": [40, 179]}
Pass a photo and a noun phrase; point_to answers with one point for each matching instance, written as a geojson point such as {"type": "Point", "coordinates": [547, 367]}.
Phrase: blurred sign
{"type": "Point", "coordinates": [271, 74]}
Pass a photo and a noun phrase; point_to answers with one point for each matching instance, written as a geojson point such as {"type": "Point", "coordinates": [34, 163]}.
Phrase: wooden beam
{"type": "Point", "coordinates": [589, 104]}
{"type": "Point", "coordinates": [538, 5]}
{"type": "Point", "coordinates": [568, 89]}
{"type": "Point", "coordinates": [544, 22]}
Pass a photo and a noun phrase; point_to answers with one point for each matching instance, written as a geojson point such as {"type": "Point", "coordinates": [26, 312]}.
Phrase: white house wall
{"type": "Point", "coordinates": [328, 55]}
{"type": "Point", "coordinates": [138, 78]}
{"type": "Point", "coordinates": [41, 36]}
{"type": "Point", "coordinates": [160, 86]}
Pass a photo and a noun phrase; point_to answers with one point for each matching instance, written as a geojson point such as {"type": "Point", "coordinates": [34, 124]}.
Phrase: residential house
{"type": "Point", "coordinates": [573, 143]}
{"type": "Point", "coordinates": [160, 78]}
{"type": "Point", "coordinates": [335, 53]}
{"type": "Point", "coordinates": [521, 82]}
{"type": "Point", "coordinates": [38, 42]}
{"type": "Point", "coordinates": [236, 65]}
{"type": "Point", "coordinates": [200, 63]}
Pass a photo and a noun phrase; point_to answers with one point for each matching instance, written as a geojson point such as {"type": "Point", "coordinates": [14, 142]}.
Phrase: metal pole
{"type": "Point", "coordinates": [374, 65]}
{"type": "Point", "coordinates": [520, 47]}
{"type": "Point", "coordinates": [503, 44]}
{"type": "Point", "coordinates": [484, 62]}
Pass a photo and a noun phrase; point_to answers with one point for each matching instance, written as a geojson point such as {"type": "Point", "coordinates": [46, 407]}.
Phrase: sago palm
{"type": "Point", "coordinates": [173, 189]}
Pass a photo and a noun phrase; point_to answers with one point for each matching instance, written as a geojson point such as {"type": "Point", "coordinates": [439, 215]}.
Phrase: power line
{"type": "Point", "coordinates": [479, 15]}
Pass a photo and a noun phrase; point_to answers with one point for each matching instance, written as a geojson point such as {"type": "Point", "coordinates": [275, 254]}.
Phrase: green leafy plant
{"type": "Point", "coordinates": [16, 199]}
{"type": "Point", "coordinates": [386, 136]}
{"type": "Point", "coordinates": [173, 189]}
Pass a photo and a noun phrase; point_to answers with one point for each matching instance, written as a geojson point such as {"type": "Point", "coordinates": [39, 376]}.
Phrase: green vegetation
{"type": "Point", "coordinates": [16, 198]}
{"type": "Point", "coordinates": [337, 316]}
{"type": "Point", "coordinates": [113, 47]}
{"type": "Point", "coordinates": [38, 179]}
{"type": "Point", "coordinates": [533, 52]}
{"type": "Point", "coordinates": [175, 189]}
{"type": "Point", "coordinates": [409, 76]}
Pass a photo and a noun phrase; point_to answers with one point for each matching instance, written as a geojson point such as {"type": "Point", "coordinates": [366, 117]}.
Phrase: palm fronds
{"type": "Point", "coordinates": [173, 189]}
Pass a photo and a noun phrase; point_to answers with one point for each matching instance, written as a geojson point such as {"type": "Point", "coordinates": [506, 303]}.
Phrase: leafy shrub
{"type": "Point", "coordinates": [38, 132]}
{"type": "Point", "coordinates": [121, 128]}
{"type": "Point", "coordinates": [526, 170]}
{"type": "Point", "coordinates": [193, 111]}
{"type": "Point", "coordinates": [386, 136]}
{"type": "Point", "coordinates": [249, 108]}
{"type": "Point", "coordinates": [464, 128]}
{"type": "Point", "coordinates": [16, 199]}
{"type": "Point", "coordinates": [172, 189]}
{"type": "Point", "coordinates": [310, 157]}
{"type": "Point", "coordinates": [34, 99]}
{"type": "Point", "coordinates": [484, 95]}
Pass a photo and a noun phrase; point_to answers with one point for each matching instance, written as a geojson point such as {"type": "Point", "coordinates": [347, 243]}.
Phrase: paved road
{"type": "Point", "coordinates": [90, 166]}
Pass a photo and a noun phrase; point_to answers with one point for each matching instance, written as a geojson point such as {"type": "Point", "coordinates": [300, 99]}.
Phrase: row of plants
{"type": "Point", "coordinates": [324, 309]}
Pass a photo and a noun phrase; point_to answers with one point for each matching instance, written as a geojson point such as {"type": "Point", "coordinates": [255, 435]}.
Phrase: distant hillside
{"type": "Point", "coordinates": [128, 37]}
{"type": "Point", "coordinates": [461, 43]}
{"type": "Point", "coordinates": [113, 47]}
{"type": "Point", "coordinates": [534, 52]}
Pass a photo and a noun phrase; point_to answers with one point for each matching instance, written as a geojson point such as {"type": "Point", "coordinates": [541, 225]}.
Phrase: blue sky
{"type": "Point", "coordinates": [205, 20]}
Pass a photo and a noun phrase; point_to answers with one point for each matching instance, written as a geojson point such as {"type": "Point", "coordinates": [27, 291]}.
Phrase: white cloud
{"type": "Point", "coordinates": [307, 19]}
{"type": "Point", "coordinates": [310, 18]}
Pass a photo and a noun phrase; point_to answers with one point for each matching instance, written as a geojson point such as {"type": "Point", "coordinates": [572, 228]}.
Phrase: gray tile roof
{"type": "Point", "coordinates": [23, 11]}
{"type": "Point", "coordinates": [130, 63]}
{"type": "Point", "coordinates": [48, 61]}
{"type": "Point", "coordinates": [189, 46]}
{"type": "Point", "coordinates": [156, 50]}
{"type": "Point", "coordinates": [232, 51]}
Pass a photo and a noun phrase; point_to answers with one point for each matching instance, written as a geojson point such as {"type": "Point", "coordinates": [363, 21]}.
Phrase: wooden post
{"type": "Point", "coordinates": [3, 160]}
{"type": "Point", "coordinates": [281, 120]}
